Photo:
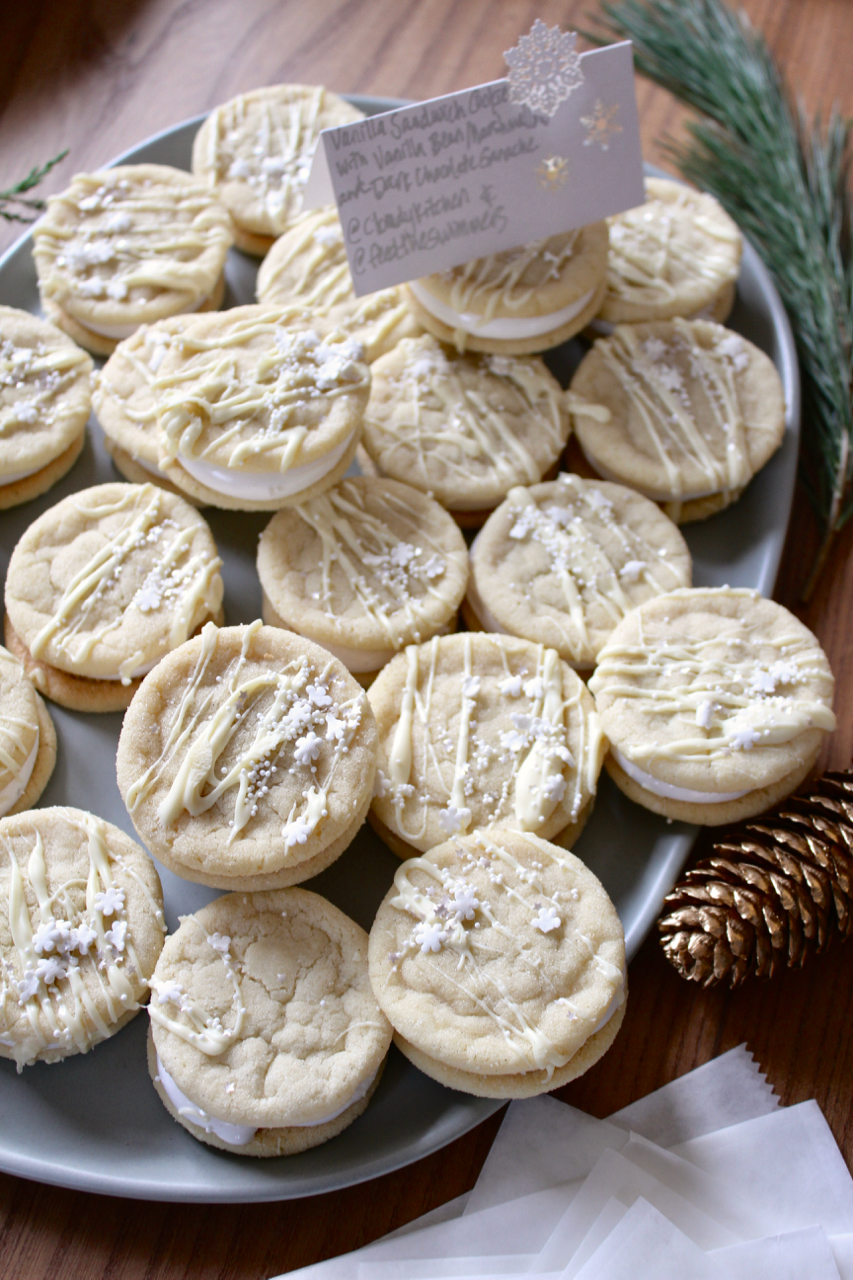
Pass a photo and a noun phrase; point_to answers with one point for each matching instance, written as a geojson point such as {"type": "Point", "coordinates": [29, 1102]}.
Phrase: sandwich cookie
{"type": "Point", "coordinates": [715, 703]}
{"type": "Point", "coordinates": [44, 405]}
{"type": "Point", "coordinates": [676, 255]}
{"type": "Point", "coordinates": [247, 760]}
{"type": "Point", "coordinates": [266, 1038]}
{"type": "Point", "coordinates": [256, 151]}
{"type": "Point", "coordinates": [563, 562]}
{"type": "Point", "coordinates": [479, 731]}
{"type": "Point", "coordinates": [519, 301]}
{"type": "Point", "coordinates": [83, 911]}
{"type": "Point", "coordinates": [102, 585]}
{"type": "Point", "coordinates": [125, 405]}
{"type": "Point", "coordinates": [257, 411]}
{"type": "Point", "coordinates": [129, 246]}
{"type": "Point", "coordinates": [464, 428]}
{"type": "Point", "coordinates": [308, 266]}
{"type": "Point", "coordinates": [685, 411]}
{"type": "Point", "coordinates": [365, 569]}
{"type": "Point", "coordinates": [27, 739]}
{"type": "Point", "coordinates": [500, 961]}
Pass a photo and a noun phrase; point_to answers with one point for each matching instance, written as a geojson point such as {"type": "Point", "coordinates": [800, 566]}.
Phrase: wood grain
{"type": "Point", "coordinates": [97, 77]}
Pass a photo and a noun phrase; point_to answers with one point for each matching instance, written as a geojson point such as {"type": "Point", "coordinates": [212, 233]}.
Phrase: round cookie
{"type": "Point", "coordinates": [27, 739]}
{"type": "Point", "coordinates": [102, 585]}
{"type": "Point", "coordinates": [365, 569]}
{"type": "Point", "coordinates": [464, 428]}
{"type": "Point", "coordinates": [44, 405]}
{"type": "Point", "coordinates": [676, 255]}
{"type": "Point", "coordinates": [308, 266]}
{"type": "Point", "coordinates": [561, 563]}
{"type": "Point", "coordinates": [684, 411]}
{"type": "Point", "coordinates": [129, 246]}
{"type": "Point", "coordinates": [266, 1038]}
{"type": "Point", "coordinates": [256, 150]}
{"type": "Point", "coordinates": [482, 731]}
{"type": "Point", "coordinates": [715, 703]}
{"type": "Point", "coordinates": [81, 927]}
{"type": "Point", "coordinates": [256, 410]}
{"type": "Point", "coordinates": [500, 961]}
{"type": "Point", "coordinates": [247, 758]}
{"type": "Point", "coordinates": [519, 301]}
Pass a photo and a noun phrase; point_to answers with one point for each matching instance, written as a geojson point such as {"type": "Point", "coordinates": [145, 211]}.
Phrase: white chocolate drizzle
{"type": "Point", "coordinates": [200, 1028]}
{"type": "Point", "coordinates": [506, 283]}
{"type": "Point", "coordinates": [33, 381]}
{"type": "Point", "coordinates": [179, 581]}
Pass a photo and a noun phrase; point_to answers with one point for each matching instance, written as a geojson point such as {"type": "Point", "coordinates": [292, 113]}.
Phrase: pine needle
{"type": "Point", "coordinates": [15, 205]}
{"type": "Point", "coordinates": [785, 181]}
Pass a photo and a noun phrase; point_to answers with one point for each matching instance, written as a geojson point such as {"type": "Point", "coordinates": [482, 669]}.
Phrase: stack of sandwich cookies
{"type": "Point", "coordinates": [684, 411]}
{"type": "Point", "coordinates": [102, 585]}
{"type": "Point", "coordinates": [715, 703]}
{"type": "Point", "coordinates": [27, 739]}
{"type": "Point", "coordinates": [308, 266]}
{"type": "Point", "coordinates": [44, 405]}
{"type": "Point", "coordinates": [85, 912]}
{"type": "Point", "coordinates": [519, 301]}
{"type": "Point", "coordinates": [500, 961]}
{"type": "Point", "coordinates": [257, 410]}
{"type": "Point", "coordinates": [676, 255]}
{"type": "Point", "coordinates": [563, 562]}
{"type": "Point", "coordinates": [464, 428]}
{"type": "Point", "coordinates": [247, 759]}
{"type": "Point", "coordinates": [365, 569]}
{"type": "Point", "coordinates": [479, 731]}
{"type": "Point", "coordinates": [266, 1038]}
{"type": "Point", "coordinates": [129, 246]}
{"type": "Point", "coordinates": [255, 152]}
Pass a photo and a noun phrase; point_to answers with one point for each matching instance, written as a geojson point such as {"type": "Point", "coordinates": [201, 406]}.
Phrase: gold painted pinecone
{"type": "Point", "coordinates": [773, 893]}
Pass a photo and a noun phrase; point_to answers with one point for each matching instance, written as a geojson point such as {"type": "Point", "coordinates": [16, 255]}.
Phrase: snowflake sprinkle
{"type": "Point", "coordinates": [546, 920]}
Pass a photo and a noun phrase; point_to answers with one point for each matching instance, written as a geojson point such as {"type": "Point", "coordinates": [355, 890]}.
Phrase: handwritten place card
{"type": "Point", "coordinates": [427, 187]}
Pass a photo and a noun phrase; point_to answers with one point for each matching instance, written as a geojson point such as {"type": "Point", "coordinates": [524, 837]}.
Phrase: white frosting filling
{"type": "Point", "coordinates": [237, 1135]}
{"type": "Point", "coordinates": [150, 467]}
{"type": "Point", "coordinates": [13, 790]}
{"type": "Point", "coordinates": [264, 486]}
{"type": "Point", "coordinates": [133, 675]}
{"type": "Point", "coordinates": [668, 791]}
{"type": "Point", "coordinates": [127, 330]}
{"type": "Point", "coordinates": [12, 476]}
{"type": "Point", "coordinates": [656, 495]}
{"type": "Point", "coordinates": [616, 1000]}
{"type": "Point", "coordinates": [503, 327]}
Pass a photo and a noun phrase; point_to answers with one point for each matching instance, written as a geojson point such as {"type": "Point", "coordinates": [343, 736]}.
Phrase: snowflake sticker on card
{"type": "Point", "coordinates": [544, 68]}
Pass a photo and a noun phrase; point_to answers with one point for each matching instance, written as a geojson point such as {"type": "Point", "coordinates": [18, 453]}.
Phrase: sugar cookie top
{"type": "Point", "coordinates": [256, 151]}
{"type": "Point", "coordinates": [44, 393]}
{"type": "Point", "coordinates": [677, 408]}
{"type": "Point", "coordinates": [370, 563]}
{"type": "Point", "coordinates": [535, 279]}
{"type": "Point", "coordinates": [465, 428]}
{"type": "Point", "coordinates": [479, 731]}
{"type": "Point", "coordinates": [250, 750]}
{"type": "Point", "coordinates": [19, 730]}
{"type": "Point", "coordinates": [111, 578]}
{"type": "Point", "coordinates": [81, 927]}
{"type": "Point", "coordinates": [714, 690]}
{"type": "Point", "coordinates": [497, 953]}
{"type": "Point", "coordinates": [670, 256]}
{"type": "Point", "coordinates": [254, 390]}
{"type": "Point", "coordinates": [262, 1009]}
{"type": "Point", "coordinates": [308, 266]}
{"type": "Point", "coordinates": [563, 562]}
{"type": "Point", "coordinates": [131, 245]}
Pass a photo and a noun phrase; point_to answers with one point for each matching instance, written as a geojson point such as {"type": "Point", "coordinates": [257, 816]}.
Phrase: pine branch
{"type": "Point", "coordinates": [785, 181]}
{"type": "Point", "coordinates": [16, 195]}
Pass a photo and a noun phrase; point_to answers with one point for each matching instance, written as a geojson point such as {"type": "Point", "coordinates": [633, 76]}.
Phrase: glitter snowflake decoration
{"type": "Point", "coordinates": [601, 125]}
{"type": "Point", "coordinates": [553, 173]}
{"type": "Point", "coordinates": [544, 68]}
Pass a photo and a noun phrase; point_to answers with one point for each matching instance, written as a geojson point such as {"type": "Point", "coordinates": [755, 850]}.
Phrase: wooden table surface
{"type": "Point", "coordinates": [96, 77]}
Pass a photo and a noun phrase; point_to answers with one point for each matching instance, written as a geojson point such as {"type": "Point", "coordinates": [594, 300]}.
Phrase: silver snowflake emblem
{"type": "Point", "coordinates": [544, 68]}
{"type": "Point", "coordinates": [601, 125]}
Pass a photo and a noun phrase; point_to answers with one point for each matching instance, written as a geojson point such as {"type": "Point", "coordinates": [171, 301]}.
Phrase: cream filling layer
{"type": "Point", "coordinates": [127, 330]}
{"type": "Point", "coordinates": [13, 476]}
{"type": "Point", "coordinates": [615, 1002]}
{"type": "Point", "coordinates": [150, 467]}
{"type": "Point", "coordinates": [264, 486]}
{"type": "Point", "coordinates": [656, 495]}
{"type": "Point", "coordinates": [237, 1135]}
{"type": "Point", "coordinates": [667, 791]}
{"type": "Point", "coordinates": [13, 790]}
{"type": "Point", "coordinates": [503, 327]}
{"type": "Point", "coordinates": [133, 675]}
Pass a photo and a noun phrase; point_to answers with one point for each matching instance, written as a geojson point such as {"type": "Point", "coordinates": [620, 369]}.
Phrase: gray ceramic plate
{"type": "Point", "coordinates": [94, 1123]}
